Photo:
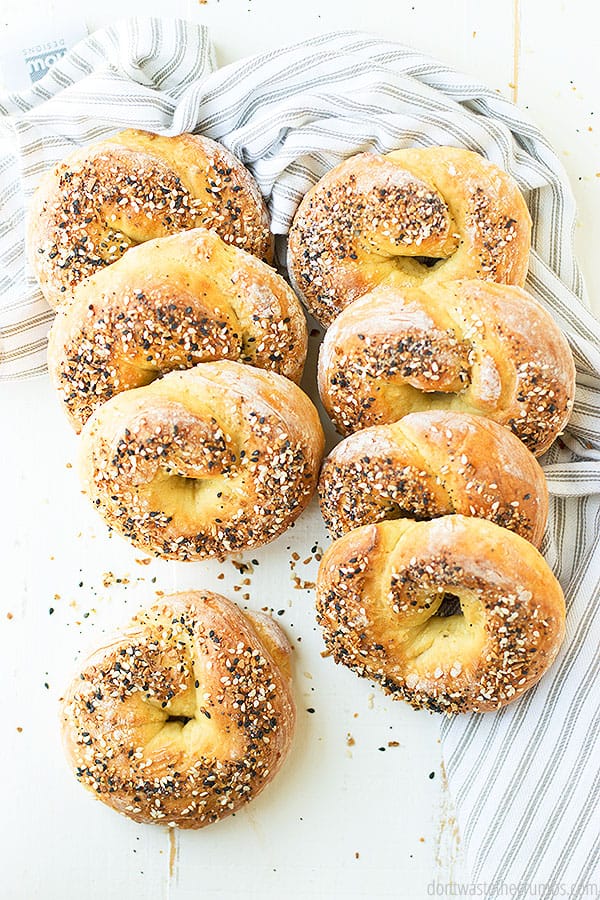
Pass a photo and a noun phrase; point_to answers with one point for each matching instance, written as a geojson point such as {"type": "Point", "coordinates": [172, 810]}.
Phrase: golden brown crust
{"type": "Point", "coordinates": [470, 346]}
{"type": "Point", "coordinates": [170, 304]}
{"type": "Point", "coordinates": [384, 219]}
{"type": "Point", "coordinates": [453, 615]}
{"type": "Point", "coordinates": [204, 462]}
{"type": "Point", "coordinates": [432, 464]}
{"type": "Point", "coordinates": [136, 186]}
{"type": "Point", "coordinates": [185, 716]}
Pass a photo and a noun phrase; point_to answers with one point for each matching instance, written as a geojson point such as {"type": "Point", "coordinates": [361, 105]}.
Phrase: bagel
{"type": "Point", "coordinates": [170, 304]}
{"type": "Point", "coordinates": [204, 462]}
{"type": "Point", "coordinates": [411, 218]}
{"type": "Point", "coordinates": [453, 615]}
{"type": "Point", "coordinates": [186, 715]}
{"type": "Point", "coordinates": [470, 346]}
{"type": "Point", "coordinates": [133, 187]}
{"type": "Point", "coordinates": [432, 464]}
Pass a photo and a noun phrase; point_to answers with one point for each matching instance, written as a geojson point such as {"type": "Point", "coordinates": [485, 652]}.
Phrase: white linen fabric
{"type": "Point", "coordinates": [525, 780]}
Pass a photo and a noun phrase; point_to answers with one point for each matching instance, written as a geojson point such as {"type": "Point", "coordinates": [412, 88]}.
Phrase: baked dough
{"type": "Point", "coordinates": [468, 346]}
{"type": "Point", "coordinates": [411, 218]}
{"type": "Point", "coordinates": [453, 615]}
{"type": "Point", "coordinates": [136, 186]}
{"type": "Point", "coordinates": [205, 462]}
{"type": "Point", "coordinates": [186, 715]}
{"type": "Point", "coordinates": [432, 464]}
{"type": "Point", "coordinates": [170, 304]}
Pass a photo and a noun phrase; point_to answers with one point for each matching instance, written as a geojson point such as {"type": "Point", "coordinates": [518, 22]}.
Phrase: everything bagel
{"type": "Point", "coordinates": [432, 464]}
{"type": "Point", "coordinates": [170, 304]}
{"type": "Point", "coordinates": [453, 615]}
{"type": "Point", "coordinates": [469, 346]}
{"type": "Point", "coordinates": [203, 462]}
{"type": "Point", "coordinates": [134, 187]}
{"type": "Point", "coordinates": [186, 715]}
{"type": "Point", "coordinates": [410, 218]}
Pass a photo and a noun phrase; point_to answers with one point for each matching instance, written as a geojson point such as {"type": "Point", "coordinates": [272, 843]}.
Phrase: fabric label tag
{"type": "Point", "coordinates": [28, 55]}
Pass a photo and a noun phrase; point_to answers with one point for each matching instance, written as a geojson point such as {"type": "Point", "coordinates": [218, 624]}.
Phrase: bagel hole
{"type": "Point", "coordinates": [395, 511]}
{"type": "Point", "coordinates": [427, 261]}
{"type": "Point", "coordinates": [450, 606]}
{"type": "Point", "coordinates": [183, 719]}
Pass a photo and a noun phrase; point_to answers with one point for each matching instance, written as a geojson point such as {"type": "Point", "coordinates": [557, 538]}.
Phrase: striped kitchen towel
{"type": "Point", "coordinates": [524, 779]}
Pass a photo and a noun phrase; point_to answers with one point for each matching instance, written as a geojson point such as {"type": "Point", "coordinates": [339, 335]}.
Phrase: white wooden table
{"type": "Point", "coordinates": [360, 809]}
